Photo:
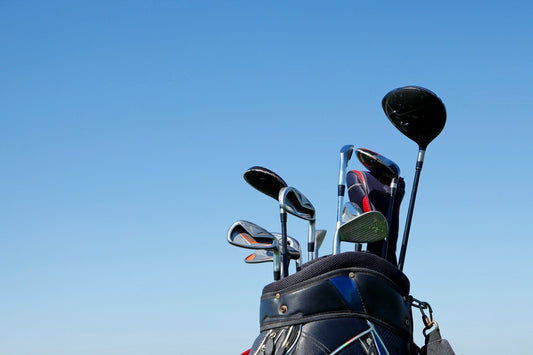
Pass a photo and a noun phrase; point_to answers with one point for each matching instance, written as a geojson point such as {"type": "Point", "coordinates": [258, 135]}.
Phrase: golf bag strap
{"type": "Point", "coordinates": [435, 345]}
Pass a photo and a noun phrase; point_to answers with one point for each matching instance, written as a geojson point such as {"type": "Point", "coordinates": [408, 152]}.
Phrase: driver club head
{"type": "Point", "coordinates": [416, 112]}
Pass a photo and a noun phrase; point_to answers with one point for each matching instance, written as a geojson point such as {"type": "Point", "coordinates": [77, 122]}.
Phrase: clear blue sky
{"type": "Point", "coordinates": [126, 126]}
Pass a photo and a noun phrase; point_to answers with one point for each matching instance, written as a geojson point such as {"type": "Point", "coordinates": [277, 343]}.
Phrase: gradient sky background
{"type": "Point", "coordinates": [126, 126]}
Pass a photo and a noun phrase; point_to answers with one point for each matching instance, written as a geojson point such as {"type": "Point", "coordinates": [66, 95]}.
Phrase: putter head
{"type": "Point", "coordinates": [248, 235]}
{"type": "Point", "coordinates": [378, 164]}
{"type": "Point", "coordinates": [416, 112]}
{"type": "Point", "coordinates": [264, 180]}
{"type": "Point", "coordinates": [294, 202]}
{"type": "Point", "coordinates": [367, 227]}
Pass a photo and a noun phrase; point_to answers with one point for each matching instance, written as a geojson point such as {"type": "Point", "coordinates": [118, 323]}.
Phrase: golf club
{"type": "Point", "coordinates": [248, 235]}
{"type": "Point", "coordinates": [270, 183]}
{"type": "Point", "coordinates": [345, 156]}
{"type": "Point", "coordinates": [294, 202]}
{"type": "Point", "coordinates": [263, 256]}
{"type": "Point", "coordinates": [320, 235]}
{"type": "Point", "coordinates": [420, 115]}
{"type": "Point", "coordinates": [386, 170]}
{"type": "Point", "coordinates": [358, 227]}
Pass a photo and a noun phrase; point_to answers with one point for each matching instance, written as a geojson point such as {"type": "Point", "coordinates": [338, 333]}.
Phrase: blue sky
{"type": "Point", "coordinates": [125, 128]}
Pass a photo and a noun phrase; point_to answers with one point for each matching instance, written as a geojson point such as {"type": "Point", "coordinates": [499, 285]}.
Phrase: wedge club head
{"type": "Point", "coordinates": [367, 227]}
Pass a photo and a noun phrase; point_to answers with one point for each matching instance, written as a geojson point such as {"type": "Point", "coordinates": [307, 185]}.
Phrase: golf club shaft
{"type": "Point", "coordinates": [284, 257]}
{"type": "Point", "coordinates": [345, 155]}
{"type": "Point", "coordinates": [311, 244]}
{"type": "Point", "coordinates": [393, 188]}
{"type": "Point", "coordinates": [419, 163]}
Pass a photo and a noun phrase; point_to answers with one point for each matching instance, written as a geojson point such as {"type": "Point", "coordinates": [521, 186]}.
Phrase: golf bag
{"type": "Point", "coordinates": [354, 302]}
{"type": "Point", "coordinates": [371, 194]}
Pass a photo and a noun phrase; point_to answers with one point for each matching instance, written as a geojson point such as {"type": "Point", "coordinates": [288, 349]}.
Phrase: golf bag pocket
{"type": "Point", "coordinates": [353, 301]}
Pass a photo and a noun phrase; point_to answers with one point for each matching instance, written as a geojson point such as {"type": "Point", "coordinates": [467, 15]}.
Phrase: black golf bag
{"type": "Point", "coordinates": [349, 303]}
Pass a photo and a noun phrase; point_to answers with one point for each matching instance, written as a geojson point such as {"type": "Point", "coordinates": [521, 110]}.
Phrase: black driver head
{"type": "Point", "coordinates": [416, 112]}
{"type": "Point", "coordinates": [264, 180]}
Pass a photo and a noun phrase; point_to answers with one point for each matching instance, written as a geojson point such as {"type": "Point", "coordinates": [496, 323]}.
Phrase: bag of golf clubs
{"type": "Point", "coordinates": [354, 302]}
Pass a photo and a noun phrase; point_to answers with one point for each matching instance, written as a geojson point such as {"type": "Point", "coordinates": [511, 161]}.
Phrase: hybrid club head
{"type": "Point", "coordinates": [416, 112]}
{"type": "Point", "coordinates": [294, 202]}
{"type": "Point", "coordinates": [377, 164]}
{"type": "Point", "coordinates": [248, 235]}
{"type": "Point", "coordinates": [264, 180]}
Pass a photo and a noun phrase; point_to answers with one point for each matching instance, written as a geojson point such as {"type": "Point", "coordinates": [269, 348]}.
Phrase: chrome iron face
{"type": "Point", "coordinates": [248, 235]}
{"type": "Point", "coordinates": [294, 202]}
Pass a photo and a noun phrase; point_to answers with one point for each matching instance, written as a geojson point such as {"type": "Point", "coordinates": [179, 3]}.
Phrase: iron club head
{"type": "Point", "coordinates": [248, 235]}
